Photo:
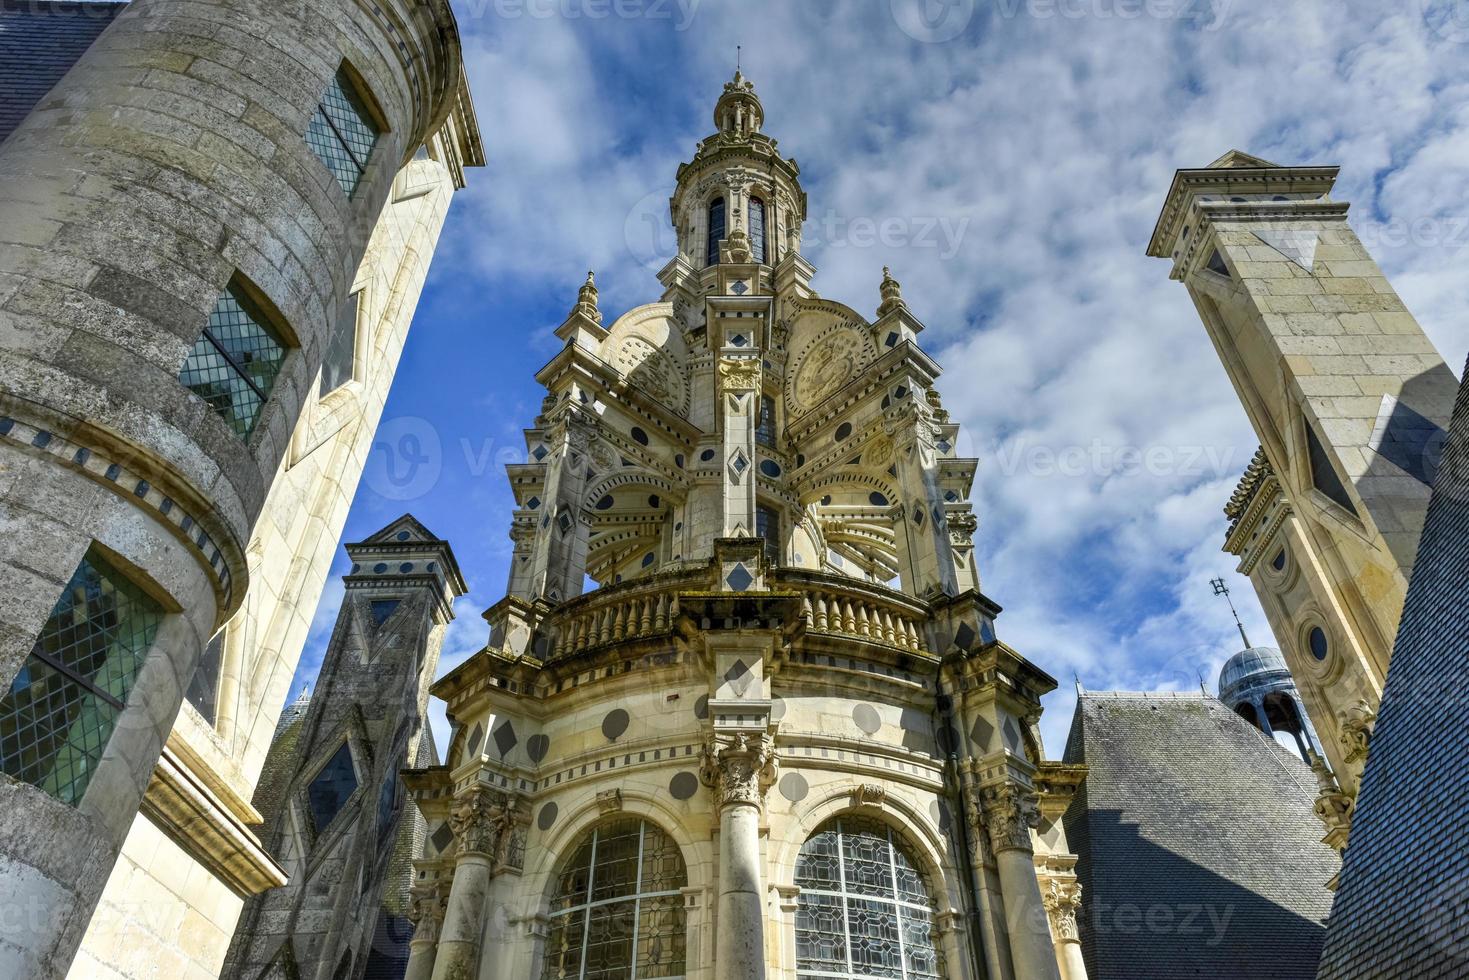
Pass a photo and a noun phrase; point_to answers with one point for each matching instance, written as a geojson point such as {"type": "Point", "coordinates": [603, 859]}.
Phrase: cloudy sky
{"type": "Point", "coordinates": [1007, 159]}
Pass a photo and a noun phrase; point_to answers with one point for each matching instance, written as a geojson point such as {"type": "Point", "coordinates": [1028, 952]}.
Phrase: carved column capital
{"type": "Point", "coordinates": [483, 823]}
{"type": "Point", "coordinates": [740, 768]}
{"type": "Point", "coordinates": [1010, 810]}
{"type": "Point", "coordinates": [1062, 898]}
{"type": "Point", "coordinates": [1356, 729]}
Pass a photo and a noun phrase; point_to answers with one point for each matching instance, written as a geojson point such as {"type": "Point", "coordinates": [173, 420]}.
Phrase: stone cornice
{"type": "Point", "coordinates": [1187, 183]}
{"type": "Point", "coordinates": [202, 824]}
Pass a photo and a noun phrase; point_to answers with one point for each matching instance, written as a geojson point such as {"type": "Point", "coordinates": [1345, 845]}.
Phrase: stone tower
{"type": "Point", "coordinates": [1349, 400]}
{"type": "Point", "coordinates": [333, 813]}
{"type": "Point", "coordinates": [213, 231]}
{"type": "Point", "coordinates": [779, 735]}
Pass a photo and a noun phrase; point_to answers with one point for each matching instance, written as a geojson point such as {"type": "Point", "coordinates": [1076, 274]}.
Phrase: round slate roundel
{"type": "Point", "coordinates": [701, 707]}
{"type": "Point", "coordinates": [683, 785]}
{"type": "Point", "coordinates": [547, 816]}
{"type": "Point", "coordinates": [777, 708]}
{"type": "Point", "coordinates": [867, 718]}
{"type": "Point", "coordinates": [614, 724]}
{"type": "Point", "coordinates": [793, 786]}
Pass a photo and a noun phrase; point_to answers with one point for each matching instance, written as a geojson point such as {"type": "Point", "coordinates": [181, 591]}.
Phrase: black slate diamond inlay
{"type": "Point", "coordinates": [475, 737]}
{"type": "Point", "coordinates": [505, 738]}
{"type": "Point", "coordinates": [442, 838]}
{"type": "Point", "coordinates": [964, 638]}
{"type": "Point", "coordinates": [739, 578]}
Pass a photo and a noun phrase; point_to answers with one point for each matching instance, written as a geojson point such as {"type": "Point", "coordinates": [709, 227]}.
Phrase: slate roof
{"type": "Point", "coordinates": [39, 41]}
{"type": "Point", "coordinates": [1199, 853]}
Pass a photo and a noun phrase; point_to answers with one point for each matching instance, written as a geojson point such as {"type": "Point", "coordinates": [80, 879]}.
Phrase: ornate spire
{"type": "Point", "coordinates": [586, 299]}
{"type": "Point", "coordinates": [738, 113]}
{"type": "Point", "coordinates": [892, 294]}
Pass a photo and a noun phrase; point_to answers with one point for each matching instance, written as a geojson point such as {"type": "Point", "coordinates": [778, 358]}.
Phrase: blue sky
{"type": "Point", "coordinates": [1007, 159]}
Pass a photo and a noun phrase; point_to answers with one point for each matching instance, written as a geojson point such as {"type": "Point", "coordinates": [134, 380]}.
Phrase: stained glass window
{"type": "Point", "coordinates": [341, 132]}
{"type": "Point", "coordinates": [617, 911]}
{"type": "Point", "coordinates": [329, 790]}
{"type": "Point", "coordinates": [716, 231]}
{"type": "Point", "coordinates": [864, 910]}
{"type": "Point", "coordinates": [765, 430]}
{"type": "Point", "coordinates": [235, 361]}
{"type": "Point", "coordinates": [757, 229]}
{"type": "Point", "coordinates": [59, 713]}
{"type": "Point", "coordinates": [767, 527]}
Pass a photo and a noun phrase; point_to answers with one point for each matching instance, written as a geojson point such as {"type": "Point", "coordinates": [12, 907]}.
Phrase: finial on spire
{"type": "Point", "coordinates": [892, 294]}
{"type": "Point", "coordinates": [1077, 678]}
{"type": "Point", "coordinates": [1202, 686]}
{"type": "Point", "coordinates": [1221, 589]}
{"type": "Point", "coordinates": [737, 60]}
{"type": "Point", "coordinates": [586, 298]}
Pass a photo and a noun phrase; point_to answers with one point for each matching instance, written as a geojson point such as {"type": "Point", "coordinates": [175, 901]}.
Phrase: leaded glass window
{"type": "Point", "coordinates": [330, 788]}
{"type": "Point", "coordinates": [865, 909]}
{"type": "Point", "coordinates": [757, 230]}
{"type": "Point", "coordinates": [765, 430]}
{"type": "Point", "coordinates": [203, 689]}
{"type": "Point", "coordinates": [767, 526]}
{"type": "Point", "coordinates": [716, 231]}
{"type": "Point", "coordinates": [617, 911]}
{"type": "Point", "coordinates": [342, 132]}
{"type": "Point", "coordinates": [235, 361]}
{"type": "Point", "coordinates": [63, 705]}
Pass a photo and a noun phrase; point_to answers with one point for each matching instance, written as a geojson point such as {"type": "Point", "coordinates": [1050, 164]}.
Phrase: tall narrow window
{"type": "Point", "coordinates": [1323, 474]}
{"type": "Point", "coordinates": [203, 689]}
{"type": "Point", "coordinates": [617, 910]}
{"type": "Point", "coordinates": [757, 230]}
{"type": "Point", "coordinates": [765, 430]}
{"type": "Point", "coordinates": [767, 526]}
{"type": "Point", "coordinates": [235, 361]}
{"type": "Point", "coordinates": [331, 787]}
{"type": "Point", "coordinates": [341, 351]}
{"type": "Point", "coordinates": [61, 708]}
{"type": "Point", "coordinates": [716, 231]}
{"type": "Point", "coordinates": [865, 910]}
{"type": "Point", "coordinates": [342, 133]}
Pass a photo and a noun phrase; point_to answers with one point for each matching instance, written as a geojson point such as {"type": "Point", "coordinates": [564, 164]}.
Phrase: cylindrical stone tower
{"type": "Point", "coordinates": [180, 222]}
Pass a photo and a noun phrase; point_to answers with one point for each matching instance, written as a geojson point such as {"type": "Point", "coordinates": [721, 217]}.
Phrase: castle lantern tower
{"type": "Point", "coordinates": [1256, 685]}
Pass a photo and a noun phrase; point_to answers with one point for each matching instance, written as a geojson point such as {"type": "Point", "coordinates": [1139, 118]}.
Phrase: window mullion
{"type": "Point", "coordinates": [230, 360]}
{"type": "Point", "coordinates": [346, 147]}
{"type": "Point", "coordinates": [897, 909]}
{"type": "Point", "coordinates": [637, 902]}
{"type": "Point", "coordinates": [75, 678]}
{"type": "Point", "coordinates": [586, 919]}
{"type": "Point", "coordinates": [846, 909]}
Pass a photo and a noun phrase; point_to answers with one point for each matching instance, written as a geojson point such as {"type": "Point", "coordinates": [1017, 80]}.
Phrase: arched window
{"type": "Point", "coordinates": [617, 910]}
{"type": "Point", "coordinates": [716, 231]}
{"type": "Point", "coordinates": [757, 230]}
{"type": "Point", "coordinates": [864, 910]}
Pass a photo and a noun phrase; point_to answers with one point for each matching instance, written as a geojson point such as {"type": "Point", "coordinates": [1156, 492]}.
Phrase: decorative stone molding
{"type": "Point", "coordinates": [742, 374]}
{"type": "Point", "coordinates": [482, 822]}
{"type": "Point", "coordinates": [427, 904]}
{"type": "Point", "coordinates": [869, 794]}
{"type": "Point", "coordinates": [1062, 899]}
{"type": "Point", "coordinates": [1010, 811]}
{"type": "Point", "coordinates": [1333, 807]}
{"type": "Point", "coordinates": [979, 844]}
{"type": "Point", "coordinates": [1356, 729]}
{"type": "Point", "coordinates": [609, 801]}
{"type": "Point", "coordinates": [739, 769]}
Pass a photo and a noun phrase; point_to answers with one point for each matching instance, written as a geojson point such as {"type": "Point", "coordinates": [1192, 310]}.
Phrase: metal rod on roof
{"type": "Point", "coordinates": [1221, 589]}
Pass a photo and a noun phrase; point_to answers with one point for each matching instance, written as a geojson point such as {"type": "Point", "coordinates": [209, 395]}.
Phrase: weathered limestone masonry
{"type": "Point", "coordinates": [1349, 400]}
{"type": "Point", "coordinates": [174, 173]}
{"type": "Point", "coordinates": [333, 819]}
{"type": "Point", "coordinates": [779, 738]}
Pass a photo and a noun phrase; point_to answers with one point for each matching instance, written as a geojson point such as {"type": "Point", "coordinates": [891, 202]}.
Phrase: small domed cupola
{"type": "Point", "coordinates": [738, 112]}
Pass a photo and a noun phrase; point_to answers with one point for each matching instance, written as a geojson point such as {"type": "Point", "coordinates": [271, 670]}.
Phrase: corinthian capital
{"type": "Point", "coordinates": [426, 910]}
{"type": "Point", "coordinates": [1062, 899]}
{"type": "Point", "coordinates": [740, 768]}
{"type": "Point", "coordinates": [483, 823]}
{"type": "Point", "coordinates": [1010, 811]}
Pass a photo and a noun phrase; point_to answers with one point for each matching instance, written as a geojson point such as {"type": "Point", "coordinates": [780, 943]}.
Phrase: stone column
{"type": "Point", "coordinates": [482, 822]}
{"type": "Point", "coordinates": [1009, 813]}
{"type": "Point", "coordinates": [740, 769]}
{"type": "Point", "coordinates": [1063, 901]}
{"type": "Point", "coordinates": [925, 556]}
{"type": "Point", "coordinates": [428, 918]}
